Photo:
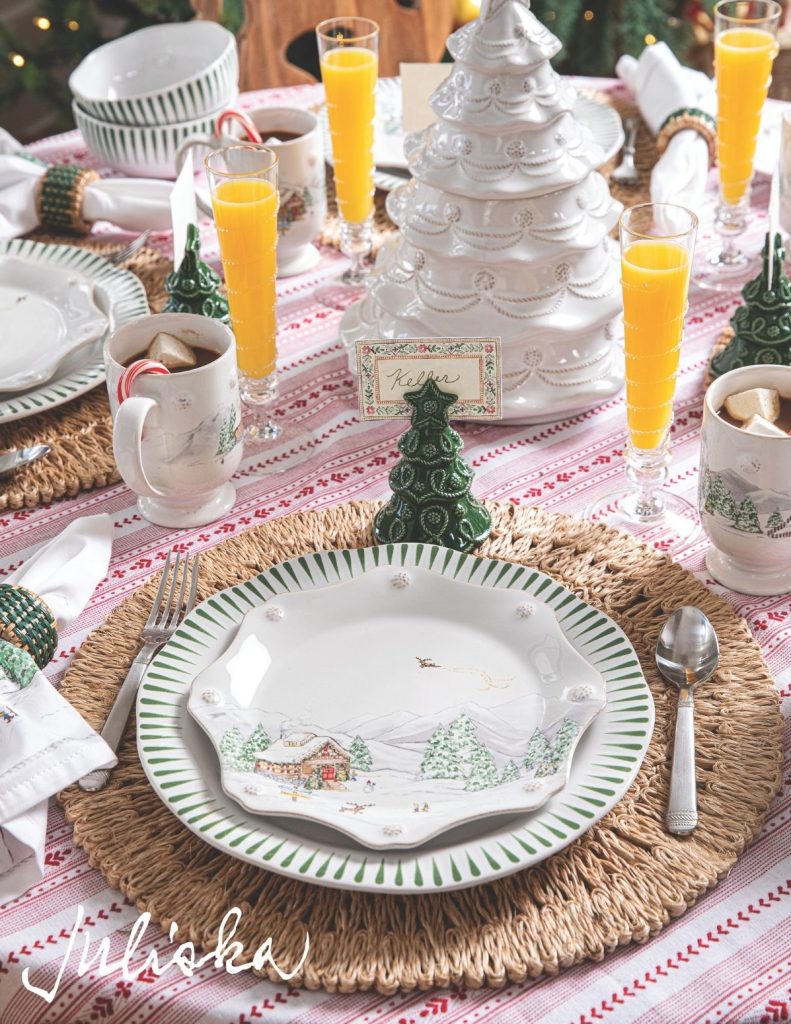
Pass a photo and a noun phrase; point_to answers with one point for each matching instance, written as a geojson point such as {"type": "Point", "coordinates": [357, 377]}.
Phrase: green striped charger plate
{"type": "Point", "coordinates": [118, 293]}
{"type": "Point", "coordinates": [182, 767]}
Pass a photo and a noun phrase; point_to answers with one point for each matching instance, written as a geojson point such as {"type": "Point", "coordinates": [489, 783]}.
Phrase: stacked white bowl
{"type": "Point", "coordinates": [138, 97]}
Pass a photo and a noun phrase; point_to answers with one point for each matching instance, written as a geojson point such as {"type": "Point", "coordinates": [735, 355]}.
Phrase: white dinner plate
{"type": "Point", "coordinates": [118, 295]}
{"type": "Point", "coordinates": [602, 120]}
{"type": "Point", "coordinates": [182, 766]}
{"type": "Point", "coordinates": [46, 314]}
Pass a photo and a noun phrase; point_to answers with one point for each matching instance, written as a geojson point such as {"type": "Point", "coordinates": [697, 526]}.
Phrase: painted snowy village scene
{"type": "Point", "coordinates": [453, 707]}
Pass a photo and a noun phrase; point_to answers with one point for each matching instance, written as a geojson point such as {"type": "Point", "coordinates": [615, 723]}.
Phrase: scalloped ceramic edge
{"type": "Point", "coordinates": [52, 310]}
{"type": "Point", "coordinates": [119, 295]}
{"type": "Point", "coordinates": [181, 766]}
{"type": "Point", "coordinates": [496, 672]}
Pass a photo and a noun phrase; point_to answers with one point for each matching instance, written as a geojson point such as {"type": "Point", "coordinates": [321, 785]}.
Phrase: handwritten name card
{"type": "Point", "coordinates": [467, 367]}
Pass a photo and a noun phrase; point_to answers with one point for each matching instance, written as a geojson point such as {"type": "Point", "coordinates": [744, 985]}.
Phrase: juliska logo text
{"type": "Point", "coordinates": [226, 954]}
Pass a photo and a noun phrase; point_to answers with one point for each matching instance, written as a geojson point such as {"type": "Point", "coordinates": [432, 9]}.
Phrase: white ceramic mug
{"type": "Point", "coordinates": [177, 439]}
{"type": "Point", "coordinates": [301, 179]}
{"type": "Point", "coordinates": [745, 490]}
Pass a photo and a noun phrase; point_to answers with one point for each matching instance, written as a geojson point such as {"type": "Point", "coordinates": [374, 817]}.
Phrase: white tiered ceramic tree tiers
{"type": "Point", "coordinates": [505, 228]}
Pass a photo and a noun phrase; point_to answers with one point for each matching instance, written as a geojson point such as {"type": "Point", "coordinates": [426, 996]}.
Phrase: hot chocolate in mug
{"type": "Point", "coordinates": [745, 490]}
{"type": "Point", "coordinates": [295, 135]}
{"type": "Point", "coordinates": [177, 439]}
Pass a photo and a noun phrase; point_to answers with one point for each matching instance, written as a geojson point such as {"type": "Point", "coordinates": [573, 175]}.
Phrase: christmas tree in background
{"type": "Point", "coordinates": [537, 749]}
{"type": "Point", "coordinates": [258, 741]}
{"type": "Point", "coordinates": [483, 770]}
{"type": "Point", "coordinates": [762, 326]}
{"type": "Point", "coordinates": [510, 773]}
{"type": "Point", "coordinates": [747, 519]}
{"type": "Point", "coordinates": [360, 755]}
{"type": "Point", "coordinates": [440, 760]}
{"type": "Point", "coordinates": [564, 737]}
{"type": "Point", "coordinates": [775, 522]}
{"type": "Point", "coordinates": [431, 499]}
{"type": "Point", "coordinates": [195, 287]}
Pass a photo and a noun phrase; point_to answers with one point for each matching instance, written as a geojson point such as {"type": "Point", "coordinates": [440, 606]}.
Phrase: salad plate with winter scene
{"type": "Point", "coordinates": [395, 701]}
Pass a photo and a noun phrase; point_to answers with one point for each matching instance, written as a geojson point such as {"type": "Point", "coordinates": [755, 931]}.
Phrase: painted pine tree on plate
{"type": "Point", "coordinates": [537, 749]}
{"type": "Point", "coordinates": [483, 770]}
{"type": "Point", "coordinates": [360, 755]}
{"type": "Point", "coordinates": [440, 760]}
{"type": "Point", "coordinates": [510, 773]}
{"type": "Point", "coordinates": [231, 746]}
{"type": "Point", "coordinates": [463, 739]}
{"type": "Point", "coordinates": [256, 742]}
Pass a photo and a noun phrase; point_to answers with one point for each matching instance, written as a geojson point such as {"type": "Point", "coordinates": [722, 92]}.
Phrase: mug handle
{"type": "Point", "coordinates": [128, 445]}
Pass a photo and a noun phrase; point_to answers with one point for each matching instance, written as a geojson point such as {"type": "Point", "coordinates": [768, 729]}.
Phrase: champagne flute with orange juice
{"type": "Point", "coordinates": [657, 246]}
{"type": "Point", "coordinates": [243, 183]}
{"type": "Point", "coordinates": [348, 54]}
{"type": "Point", "coordinates": [745, 47]}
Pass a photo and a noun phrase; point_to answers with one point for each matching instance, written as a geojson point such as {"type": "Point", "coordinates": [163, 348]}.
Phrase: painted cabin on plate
{"type": "Point", "coordinates": [298, 755]}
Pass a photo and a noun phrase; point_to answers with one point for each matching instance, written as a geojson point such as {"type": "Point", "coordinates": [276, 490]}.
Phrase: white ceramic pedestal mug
{"type": "Point", "coordinates": [301, 178]}
{"type": "Point", "coordinates": [745, 490]}
{"type": "Point", "coordinates": [177, 439]}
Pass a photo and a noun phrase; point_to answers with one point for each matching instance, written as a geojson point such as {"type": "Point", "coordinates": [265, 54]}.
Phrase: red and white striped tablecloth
{"type": "Point", "coordinates": [727, 959]}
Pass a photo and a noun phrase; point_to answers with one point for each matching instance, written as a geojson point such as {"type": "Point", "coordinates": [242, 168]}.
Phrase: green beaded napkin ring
{"type": "Point", "coordinates": [27, 623]}
{"type": "Point", "coordinates": [59, 197]}
{"type": "Point", "coordinates": [698, 120]}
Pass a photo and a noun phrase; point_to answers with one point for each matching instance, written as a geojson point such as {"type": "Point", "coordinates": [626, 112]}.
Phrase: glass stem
{"type": "Point", "coordinates": [356, 243]}
{"type": "Point", "coordinates": [647, 470]}
{"type": "Point", "coordinates": [258, 396]}
{"type": "Point", "coordinates": [730, 222]}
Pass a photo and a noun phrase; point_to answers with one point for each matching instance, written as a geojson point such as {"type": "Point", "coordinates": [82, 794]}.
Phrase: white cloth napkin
{"type": "Point", "coordinates": [661, 86]}
{"type": "Point", "coordinates": [45, 744]}
{"type": "Point", "coordinates": [130, 203]}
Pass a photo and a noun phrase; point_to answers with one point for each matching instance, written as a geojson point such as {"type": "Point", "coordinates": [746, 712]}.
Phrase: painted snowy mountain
{"type": "Point", "coordinates": [765, 501]}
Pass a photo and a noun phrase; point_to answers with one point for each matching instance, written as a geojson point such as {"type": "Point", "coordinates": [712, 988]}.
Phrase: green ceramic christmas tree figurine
{"type": "Point", "coordinates": [762, 326]}
{"type": "Point", "coordinates": [194, 287]}
{"type": "Point", "coordinates": [431, 499]}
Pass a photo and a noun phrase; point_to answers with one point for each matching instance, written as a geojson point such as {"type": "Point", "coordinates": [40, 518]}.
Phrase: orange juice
{"type": "Point", "coordinates": [655, 278]}
{"type": "Point", "coordinates": [349, 75]}
{"type": "Point", "coordinates": [743, 62]}
{"type": "Point", "coordinates": [245, 213]}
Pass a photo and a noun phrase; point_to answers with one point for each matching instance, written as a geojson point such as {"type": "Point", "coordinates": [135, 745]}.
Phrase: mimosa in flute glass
{"type": "Point", "coordinates": [348, 53]}
{"type": "Point", "coordinates": [745, 46]}
{"type": "Point", "coordinates": [657, 245]}
{"type": "Point", "coordinates": [243, 182]}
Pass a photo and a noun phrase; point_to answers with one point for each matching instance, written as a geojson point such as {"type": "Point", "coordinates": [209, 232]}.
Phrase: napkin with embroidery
{"type": "Point", "coordinates": [45, 744]}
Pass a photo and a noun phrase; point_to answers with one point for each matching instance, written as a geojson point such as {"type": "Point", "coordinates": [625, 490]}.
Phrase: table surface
{"type": "Point", "coordinates": [727, 959]}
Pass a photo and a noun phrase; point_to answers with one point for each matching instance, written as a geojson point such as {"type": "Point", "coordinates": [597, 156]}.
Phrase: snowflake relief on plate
{"type": "Point", "coordinates": [504, 228]}
{"type": "Point", "coordinates": [468, 716]}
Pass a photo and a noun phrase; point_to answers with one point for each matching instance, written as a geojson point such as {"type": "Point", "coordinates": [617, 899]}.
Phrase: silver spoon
{"type": "Point", "coordinates": [687, 653]}
{"type": "Point", "coordinates": [626, 173]}
{"type": "Point", "coordinates": [19, 457]}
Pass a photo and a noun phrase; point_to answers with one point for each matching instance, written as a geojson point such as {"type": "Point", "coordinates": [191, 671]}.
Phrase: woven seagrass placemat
{"type": "Point", "coordinates": [620, 882]}
{"type": "Point", "coordinates": [80, 432]}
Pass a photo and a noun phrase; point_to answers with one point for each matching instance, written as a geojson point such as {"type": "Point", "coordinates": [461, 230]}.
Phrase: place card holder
{"type": "Point", "coordinates": [59, 196]}
{"type": "Point", "coordinates": [28, 623]}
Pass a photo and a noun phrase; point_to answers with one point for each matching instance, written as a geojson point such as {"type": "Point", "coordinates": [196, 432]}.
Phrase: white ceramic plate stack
{"type": "Point", "coordinates": [138, 97]}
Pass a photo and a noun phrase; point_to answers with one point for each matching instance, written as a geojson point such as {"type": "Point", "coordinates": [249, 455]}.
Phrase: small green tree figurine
{"type": "Point", "coordinates": [194, 287]}
{"type": "Point", "coordinates": [762, 326]}
{"type": "Point", "coordinates": [431, 499]}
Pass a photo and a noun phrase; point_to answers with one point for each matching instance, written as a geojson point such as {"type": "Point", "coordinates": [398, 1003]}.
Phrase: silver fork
{"type": "Point", "coordinates": [128, 251]}
{"type": "Point", "coordinates": [167, 613]}
{"type": "Point", "coordinates": [626, 173]}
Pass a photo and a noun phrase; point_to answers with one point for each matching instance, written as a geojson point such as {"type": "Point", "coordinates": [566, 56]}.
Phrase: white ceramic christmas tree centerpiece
{"type": "Point", "coordinates": [504, 229]}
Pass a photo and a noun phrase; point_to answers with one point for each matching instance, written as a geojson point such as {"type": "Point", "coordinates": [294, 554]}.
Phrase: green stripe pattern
{"type": "Point", "coordinates": [174, 758]}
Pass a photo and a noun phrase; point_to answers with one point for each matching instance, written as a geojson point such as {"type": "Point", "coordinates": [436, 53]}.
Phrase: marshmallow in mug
{"type": "Point", "coordinates": [745, 490]}
{"type": "Point", "coordinates": [300, 173]}
{"type": "Point", "coordinates": [177, 440]}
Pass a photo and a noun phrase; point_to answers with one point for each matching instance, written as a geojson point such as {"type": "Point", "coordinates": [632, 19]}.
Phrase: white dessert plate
{"type": "Point", "coordinates": [391, 170]}
{"type": "Point", "coordinates": [45, 315]}
{"type": "Point", "coordinates": [398, 703]}
{"type": "Point", "coordinates": [116, 294]}
{"type": "Point", "coordinates": [182, 765]}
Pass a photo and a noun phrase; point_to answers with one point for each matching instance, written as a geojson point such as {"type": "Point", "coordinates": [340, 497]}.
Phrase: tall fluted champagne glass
{"type": "Point", "coordinates": [348, 53]}
{"type": "Point", "coordinates": [657, 246]}
{"type": "Point", "coordinates": [745, 47]}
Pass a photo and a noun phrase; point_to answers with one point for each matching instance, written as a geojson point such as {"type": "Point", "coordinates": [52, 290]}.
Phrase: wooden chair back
{"type": "Point", "coordinates": [270, 26]}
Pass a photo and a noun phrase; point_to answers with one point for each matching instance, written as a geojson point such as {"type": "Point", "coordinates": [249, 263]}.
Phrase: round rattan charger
{"type": "Point", "coordinates": [620, 882]}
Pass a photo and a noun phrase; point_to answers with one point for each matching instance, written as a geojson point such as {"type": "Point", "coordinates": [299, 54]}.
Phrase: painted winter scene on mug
{"type": "Point", "coordinates": [395, 702]}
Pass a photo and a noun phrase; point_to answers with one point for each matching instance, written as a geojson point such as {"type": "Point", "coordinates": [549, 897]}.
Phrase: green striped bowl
{"type": "Point", "coordinates": [182, 766]}
{"type": "Point", "coordinates": [140, 152]}
{"type": "Point", "coordinates": [161, 75]}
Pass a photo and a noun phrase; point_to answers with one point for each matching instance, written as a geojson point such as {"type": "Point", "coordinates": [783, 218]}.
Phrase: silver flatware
{"type": "Point", "coordinates": [15, 459]}
{"type": "Point", "coordinates": [128, 251]}
{"type": "Point", "coordinates": [687, 653]}
{"type": "Point", "coordinates": [175, 599]}
{"type": "Point", "coordinates": [626, 173]}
